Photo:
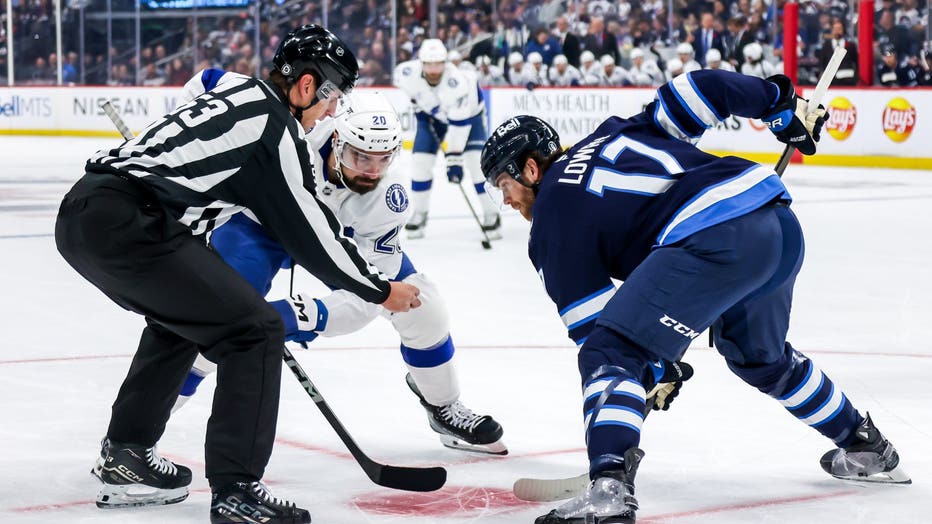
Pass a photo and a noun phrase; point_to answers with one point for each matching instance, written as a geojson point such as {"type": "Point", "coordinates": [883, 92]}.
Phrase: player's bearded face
{"type": "Point", "coordinates": [362, 170]}
{"type": "Point", "coordinates": [433, 71]}
{"type": "Point", "coordinates": [519, 197]}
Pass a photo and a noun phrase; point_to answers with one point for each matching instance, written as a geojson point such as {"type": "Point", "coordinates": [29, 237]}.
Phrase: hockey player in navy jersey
{"type": "Point", "coordinates": [699, 241]}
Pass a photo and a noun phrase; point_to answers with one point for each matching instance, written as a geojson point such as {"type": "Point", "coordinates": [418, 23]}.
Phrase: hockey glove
{"type": "Point", "coordinates": [790, 121]}
{"type": "Point", "coordinates": [303, 317]}
{"type": "Point", "coordinates": [454, 167]}
{"type": "Point", "coordinates": [668, 380]}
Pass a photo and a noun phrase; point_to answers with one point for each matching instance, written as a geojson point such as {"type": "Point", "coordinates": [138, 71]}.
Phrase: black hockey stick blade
{"type": "Point", "coordinates": [406, 478]}
{"type": "Point", "coordinates": [396, 477]}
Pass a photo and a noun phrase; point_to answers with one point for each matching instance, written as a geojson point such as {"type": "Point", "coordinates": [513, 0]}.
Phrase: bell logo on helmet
{"type": "Point", "coordinates": [506, 127]}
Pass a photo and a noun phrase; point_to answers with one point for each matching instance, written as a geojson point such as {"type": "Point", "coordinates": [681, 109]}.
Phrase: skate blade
{"type": "Point", "coordinates": [495, 448]}
{"type": "Point", "coordinates": [894, 476]}
{"type": "Point", "coordinates": [113, 496]}
{"type": "Point", "coordinates": [414, 234]}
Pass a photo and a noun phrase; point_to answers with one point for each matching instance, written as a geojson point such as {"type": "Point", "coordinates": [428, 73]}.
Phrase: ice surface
{"type": "Point", "coordinates": [724, 453]}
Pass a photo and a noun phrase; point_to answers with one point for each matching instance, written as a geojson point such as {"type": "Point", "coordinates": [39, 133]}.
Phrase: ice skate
{"type": "Point", "coordinates": [609, 499]}
{"type": "Point", "coordinates": [460, 428]}
{"type": "Point", "coordinates": [492, 225]}
{"type": "Point", "coordinates": [416, 226]}
{"type": "Point", "coordinates": [135, 475]}
{"type": "Point", "coordinates": [871, 458]}
{"type": "Point", "coordinates": [251, 502]}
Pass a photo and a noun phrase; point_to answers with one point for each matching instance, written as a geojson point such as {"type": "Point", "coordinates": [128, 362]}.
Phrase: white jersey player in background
{"type": "Point", "coordinates": [351, 155]}
{"type": "Point", "coordinates": [713, 60]}
{"type": "Point", "coordinates": [643, 72]}
{"type": "Point", "coordinates": [449, 106]}
{"type": "Point", "coordinates": [562, 74]}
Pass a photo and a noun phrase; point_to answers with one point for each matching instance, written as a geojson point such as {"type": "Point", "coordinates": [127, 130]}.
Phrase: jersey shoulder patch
{"type": "Point", "coordinates": [396, 198]}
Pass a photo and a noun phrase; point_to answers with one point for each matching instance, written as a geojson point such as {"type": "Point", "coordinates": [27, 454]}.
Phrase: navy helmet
{"type": "Point", "coordinates": [313, 48]}
{"type": "Point", "coordinates": [511, 143]}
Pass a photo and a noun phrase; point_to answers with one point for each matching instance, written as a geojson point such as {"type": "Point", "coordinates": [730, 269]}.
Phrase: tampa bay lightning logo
{"type": "Point", "coordinates": [396, 198]}
{"type": "Point", "coordinates": [452, 82]}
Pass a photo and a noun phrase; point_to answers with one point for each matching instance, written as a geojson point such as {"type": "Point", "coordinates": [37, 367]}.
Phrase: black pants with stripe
{"type": "Point", "coordinates": [116, 235]}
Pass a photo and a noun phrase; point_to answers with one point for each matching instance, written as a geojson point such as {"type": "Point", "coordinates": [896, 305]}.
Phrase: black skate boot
{"type": "Point", "coordinates": [460, 428]}
{"type": "Point", "coordinates": [101, 459]}
{"type": "Point", "coordinates": [871, 458]}
{"type": "Point", "coordinates": [251, 502]}
{"type": "Point", "coordinates": [609, 499]}
{"type": "Point", "coordinates": [135, 475]}
{"type": "Point", "coordinates": [417, 225]}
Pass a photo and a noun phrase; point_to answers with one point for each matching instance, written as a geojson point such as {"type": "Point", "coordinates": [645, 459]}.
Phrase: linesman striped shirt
{"type": "Point", "coordinates": [238, 147]}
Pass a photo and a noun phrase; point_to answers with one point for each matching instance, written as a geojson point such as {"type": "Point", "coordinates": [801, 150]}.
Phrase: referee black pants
{"type": "Point", "coordinates": [114, 233]}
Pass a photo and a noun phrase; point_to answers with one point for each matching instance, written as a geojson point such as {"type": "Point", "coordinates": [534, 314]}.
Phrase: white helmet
{"type": "Point", "coordinates": [606, 60]}
{"type": "Point", "coordinates": [674, 64]}
{"type": "Point", "coordinates": [454, 56]}
{"type": "Point", "coordinates": [637, 52]}
{"type": "Point", "coordinates": [535, 58]}
{"type": "Point", "coordinates": [515, 58]}
{"type": "Point", "coordinates": [586, 57]}
{"type": "Point", "coordinates": [753, 51]}
{"type": "Point", "coordinates": [712, 56]}
{"type": "Point", "coordinates": [685, 49]}
{"type": "Point", "coordinates": [482, 60]}
{"type": "Point", "coordinates": [369, 125]}
{"type": "Point", "coordinates": [432, 50]}
{"type": "Point", "coordinates": [560, 60]}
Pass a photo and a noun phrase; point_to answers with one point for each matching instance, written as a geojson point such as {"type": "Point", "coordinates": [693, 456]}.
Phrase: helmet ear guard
{"type": "Point", "coordinates": [509, 146]}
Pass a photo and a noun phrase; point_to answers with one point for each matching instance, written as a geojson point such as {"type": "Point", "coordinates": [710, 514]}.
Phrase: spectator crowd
{"type": "Point", "coordinates": [509, 42]}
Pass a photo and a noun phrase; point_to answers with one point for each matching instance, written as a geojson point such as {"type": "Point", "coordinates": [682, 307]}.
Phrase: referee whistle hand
{"type": "Point", "coordinates": [403, 297]}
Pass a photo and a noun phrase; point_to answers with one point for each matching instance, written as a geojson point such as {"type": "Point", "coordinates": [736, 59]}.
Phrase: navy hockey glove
{"type": "Point", "coordinates": [454, 167]}
{"type": "Point", "coordinates": [668, 380]}
{"type": "Point", "coordinates": [790, 121]}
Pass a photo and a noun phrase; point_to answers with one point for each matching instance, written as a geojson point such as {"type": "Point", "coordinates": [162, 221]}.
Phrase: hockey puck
{"type": "Point", "coordinates": [486, 244]}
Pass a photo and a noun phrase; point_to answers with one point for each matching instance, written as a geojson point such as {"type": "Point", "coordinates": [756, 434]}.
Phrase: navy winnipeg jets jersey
{"type": "Point", "coordinates": [638, 184]}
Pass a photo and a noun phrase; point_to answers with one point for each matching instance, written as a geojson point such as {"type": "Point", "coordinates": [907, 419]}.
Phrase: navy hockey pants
{"type": "Point", "coordinates": [737, 276]}
{"type": "Point", "coordinates": [117, 236]}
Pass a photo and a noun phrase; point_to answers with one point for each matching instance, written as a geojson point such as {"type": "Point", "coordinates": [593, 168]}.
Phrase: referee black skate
{"type": "Point", "coordinates": [134, 226]}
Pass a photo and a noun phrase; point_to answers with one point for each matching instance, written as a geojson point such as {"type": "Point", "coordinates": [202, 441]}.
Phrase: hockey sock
{"type": "Point", "coordinates": [422, 176]}
{"type": "Point", "coordinates": [433, 372]}
{"type": "Point", "coordinates": [613, 404]}
{"type": "Point", "coordinates": [806, 392]}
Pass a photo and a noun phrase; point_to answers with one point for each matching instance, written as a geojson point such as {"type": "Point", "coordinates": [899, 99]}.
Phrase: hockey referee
{"type": "Point", "coordinates": [135, 226]}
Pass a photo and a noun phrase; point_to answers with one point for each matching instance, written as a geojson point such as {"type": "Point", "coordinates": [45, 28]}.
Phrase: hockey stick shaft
{"type": "Point", "coordinates": [396, 477]}
{"type": "Point", "coordinates": [117, 121]}
{"type": "Point", "coordinates": [821, 88]}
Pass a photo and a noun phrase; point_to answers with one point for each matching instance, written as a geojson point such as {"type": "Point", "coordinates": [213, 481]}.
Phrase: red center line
{"type": "Point", "coordinates": [656, 519]}
{"type": "Point", "coordinates": [480, 347]}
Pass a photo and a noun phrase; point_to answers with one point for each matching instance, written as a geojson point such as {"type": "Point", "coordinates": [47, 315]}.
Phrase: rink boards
{"type": "Point", "coordinates": [867, 127]}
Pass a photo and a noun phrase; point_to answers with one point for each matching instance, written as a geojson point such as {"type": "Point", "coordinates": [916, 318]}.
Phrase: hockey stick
{"type": "Point", "coordinates": [117, 121]}
{"type": "Point", "coordinates": [404, 478]}
{"type": "Point", "coordinates": [486, 242]}
{"type": "Point", "coordinates": [821, 87]}
{"type": "Point", "coordinates": [550, 490]}
{"type": "Point", "coordinates": [396, 477]}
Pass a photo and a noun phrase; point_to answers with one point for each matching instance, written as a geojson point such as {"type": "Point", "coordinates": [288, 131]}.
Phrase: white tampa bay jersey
{"type": "Point", "coordinates": [374, 220]}
{"type": "Point", "coordinates": [455, 100]}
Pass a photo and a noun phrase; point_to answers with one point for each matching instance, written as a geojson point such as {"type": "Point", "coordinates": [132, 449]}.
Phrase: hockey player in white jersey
{"type": "Point", "coordinates": [713, 60]}
{"type": "Point", "coordinates": [351, 154]}
{"type": "Point", "coordinates": [754, 63]}
{"type": "Point", "coordinates": [488, 73]}
{"type": "Point", "coordinates": [449, 106]}
{"type": "Point", "coordinates": [612, 74]}
{"type": "Point", "coordinates": [562, 73]}
{"type": "Point", "coordinates": [520, 73]}
{"type": "Point", "coordinates": [590, 70]}
{"type": "Point", "coordinates": [643, 72]}
{"type": "Point", "coordinates": [538, 68]}
{"type": "Point", "coordinates": [687, 55]}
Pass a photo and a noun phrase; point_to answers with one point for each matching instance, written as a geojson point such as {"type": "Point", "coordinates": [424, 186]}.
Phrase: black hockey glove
{"type": "Point", "coordinates": [668, 380]}
{"type": "Point", "coordinates": [790, 121]}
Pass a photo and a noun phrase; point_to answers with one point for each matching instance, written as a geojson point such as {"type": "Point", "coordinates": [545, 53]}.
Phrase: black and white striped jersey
{"type": "Point", "coordinates": [238, 147]}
